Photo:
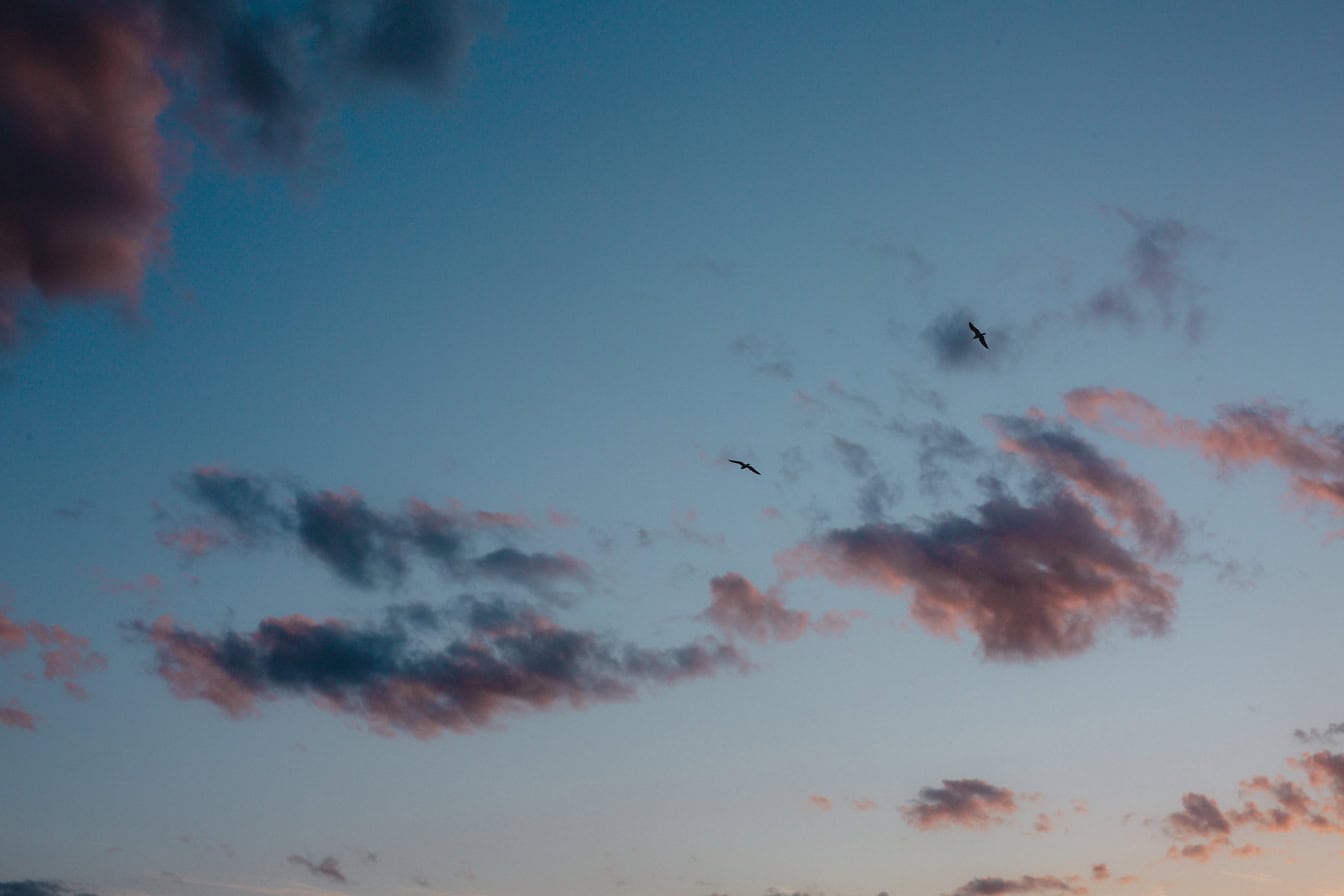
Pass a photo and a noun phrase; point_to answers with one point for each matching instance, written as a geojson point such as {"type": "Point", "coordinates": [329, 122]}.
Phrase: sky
{"type": "Point", "coordinates": [370, 373]}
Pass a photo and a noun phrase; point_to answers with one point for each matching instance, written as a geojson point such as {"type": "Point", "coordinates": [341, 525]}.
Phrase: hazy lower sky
{"type": "Point", "coordinates": [369, 372]}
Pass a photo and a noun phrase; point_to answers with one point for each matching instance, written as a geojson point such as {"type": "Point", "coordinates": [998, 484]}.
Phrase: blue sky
{"type": "Point", "coordinates": [528, 305]}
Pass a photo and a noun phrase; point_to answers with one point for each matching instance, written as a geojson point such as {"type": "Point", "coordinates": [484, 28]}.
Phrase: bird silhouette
{"type": "Point", "coordinates": [744, 466]}
{"type": "Point", "coordinates": [979, 334]}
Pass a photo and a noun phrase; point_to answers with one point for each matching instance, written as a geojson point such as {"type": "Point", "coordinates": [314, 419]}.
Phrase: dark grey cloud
{"type": "Point", "coordinates": [329, 867]}
{"type": "Point", "coordinates": [369, 548]}
{"type": "Point", "coordinates": [421, 670]}
{"type": "Point", "coordinates": [1317, 736]}
{"type": "Point", "coordinates": [363, 547]}
{"type": "Point", "coordinates": [39, 888]}
{"type": "Point", "coordinates": [83, 203]}
{"type": "Point", "coordinates": [997, 886]}
{"type": "Point", "coordinates": [954, 346]}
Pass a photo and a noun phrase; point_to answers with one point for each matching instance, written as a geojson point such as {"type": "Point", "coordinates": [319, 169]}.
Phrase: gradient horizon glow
{"type": "Point", "coordinates": [369, 372]}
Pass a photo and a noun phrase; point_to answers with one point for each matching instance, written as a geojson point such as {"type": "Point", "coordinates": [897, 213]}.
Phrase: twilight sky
{"type": "Point", "coordinates": [368, 374]}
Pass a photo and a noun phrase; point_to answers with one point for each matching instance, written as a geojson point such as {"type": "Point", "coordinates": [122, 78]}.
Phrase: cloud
{"type": "Point", "coordinates": [1315, 735]}
{"type": "Point", "coordinates": [760, 351]}
{"type": "Point", "coordinates": [1239, 436]}
{"type": "Point", "coordinates": [329, 868]}
{"type": "Point", "coordinates": [1032, 580]}
{"type": "Point", "coordinates": [13, 715]}
{"type": "Point", "coordinates": [955, 348]}
{"type": "Point", "coordinates": [191, 541]}
{"type": "Point", "coordinates": [853, 457]}
{"type": "Point", "coordinates": [1055, 449]}
{"type": "Point", "coordinates": [13, 637]}
{"type": "Point", "coordinates": [490, 659]}
{"type": "Point", "coordinates": [1154, 263]}
{"type": "Point", "coordinates": [1292, 805]}
{"type": "Point", "coordinates": [1100, 871]}
{"type": "Point", "coordinates": [817, 801]}
{"type": "Point", "coordinates": [1043, 824]}
{"type": "Point", "coordinates": [65, 657]}
{"type": "Point", "coordinates": [1201, 817]}
{"type": "Point", "coordinates": [39, 888]}
{"type": "Point", "coordinates": [994, 886]}
{"type": "Point", "coordinates": [739, 608]}
{"type": "Point", "coordinates": [83, 204]}
{"type": "Point", "coordinates": [369, 548]}
{"type": "Point", "coordinates": [940, 444]}
{"type": "Point", "coordinates": [864, 805]}
{"type": "Point", "coordinates": [967, 802]}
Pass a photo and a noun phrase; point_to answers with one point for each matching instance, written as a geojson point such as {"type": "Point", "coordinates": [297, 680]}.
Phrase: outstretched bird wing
{"type": "Point", "coordinates": [738, 462]}
{"type": "Point", "coordinates": [980, 337]}
{"type": "Point", "coordinates": [751, 468]}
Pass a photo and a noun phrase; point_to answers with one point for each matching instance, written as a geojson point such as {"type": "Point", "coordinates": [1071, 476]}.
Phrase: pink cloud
{"type": "Point", "coordinates": [968, 803]}
{"type": "Point", "coordinates": [1032, 581]}
{"type": "Point", "coordinates": [1100, 871]}
{"type": "Point", "coordinates": [13, 637]}
{"type": "Point", "coordinates": [69, 655]}
{"type": "Point", "coordinates": [1238, 437]}
{"type": "Point", "coordinates": [834, 622]}
{"type": "Point", "coordinates": [864, 805]}
{"type": "Point", "coordinates": [1043, 823]}
{"type": "Point", "coordinates": [739, 608]}
{"type": "Point", "coordinates": [817, 801]}
{"type": "Point", "coordinates": [87, 215]}
{"type": "Point", "coordinates": [13, 715]}
{"type": "Point", "coordinates": [192, 541]}
{"type": "Point", "coordinates": [1293, 805]}
{"type": "Point", "coordinates": [1128, 499]}
{"type": "Point", "coordinates": [561, 520]}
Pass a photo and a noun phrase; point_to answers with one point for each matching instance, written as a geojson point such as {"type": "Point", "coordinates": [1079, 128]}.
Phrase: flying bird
{"type": "Point", "coordinates": [979, 334]}
{"type": "Point", "coordinates": [744, 466]}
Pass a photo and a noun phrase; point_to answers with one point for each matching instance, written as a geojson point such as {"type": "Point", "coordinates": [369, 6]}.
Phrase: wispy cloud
{"type": "Point", "coordinates": [329, 867]}
{"type": "Point", "coordinates": [370, 548]}
{"type": "Point", "coordinates": [1239, 436]}
{"type": "Point", "coordinates": [1155, 271]}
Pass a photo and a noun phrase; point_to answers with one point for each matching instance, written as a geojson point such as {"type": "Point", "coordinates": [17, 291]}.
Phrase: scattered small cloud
{"type": "Point", "coordinates": [966, 802]}
{"type": "Point", "coordinates": [329, 867]}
